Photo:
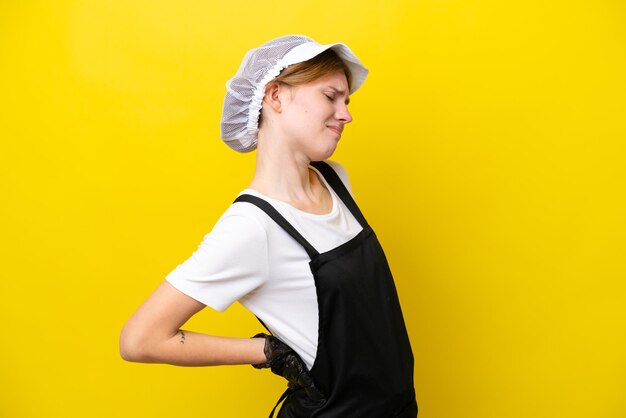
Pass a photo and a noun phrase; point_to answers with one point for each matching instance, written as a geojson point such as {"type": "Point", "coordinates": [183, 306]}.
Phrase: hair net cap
{"type": "Point", "coordinates": [245, 91]}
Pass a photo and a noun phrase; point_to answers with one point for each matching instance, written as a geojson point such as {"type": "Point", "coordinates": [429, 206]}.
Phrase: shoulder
{"type": "Point", "coordinates": [244, 221]}
{"type": "Point", "coordinates": [339, 168]}
{"type": "Point", "coordinates": [341, 172]}
{"type": "Point", "coordinates": [230, 262]}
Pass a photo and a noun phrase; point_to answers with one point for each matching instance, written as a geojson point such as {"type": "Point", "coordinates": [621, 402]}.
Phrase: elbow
{"type": "Point", "coordinates": [129, 352]}
{"type": "Point", "coordinates": [131, 348]}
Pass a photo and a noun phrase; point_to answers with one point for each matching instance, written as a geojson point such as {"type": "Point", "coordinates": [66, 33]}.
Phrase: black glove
{"type": "Point", "coordinates": [285, 362]}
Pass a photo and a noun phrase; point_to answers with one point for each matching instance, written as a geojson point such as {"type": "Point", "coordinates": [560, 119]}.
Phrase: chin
{"type": "Point", "coordinates": [325, 155]}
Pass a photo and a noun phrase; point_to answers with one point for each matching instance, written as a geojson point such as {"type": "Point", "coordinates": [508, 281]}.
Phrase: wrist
{"type": "Point", "coordinates": [260, 360]}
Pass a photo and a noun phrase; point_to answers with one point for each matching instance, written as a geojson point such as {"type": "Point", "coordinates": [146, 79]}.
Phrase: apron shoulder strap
{"type": "Point", "coordinates": [280, 220]}
{"type": "Point", "coordinates": [335, 182]}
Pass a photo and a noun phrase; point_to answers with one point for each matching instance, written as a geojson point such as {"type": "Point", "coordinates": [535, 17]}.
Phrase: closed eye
{"type": "Point", "coordinates": [341, 93]}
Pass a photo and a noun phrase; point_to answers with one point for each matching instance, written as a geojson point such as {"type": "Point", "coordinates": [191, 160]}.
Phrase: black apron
{"type": "Point", "coordinates": [364, 361]}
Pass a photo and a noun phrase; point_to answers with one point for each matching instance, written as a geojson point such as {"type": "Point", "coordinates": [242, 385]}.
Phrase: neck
{"type": "Point", "coordinates": [283, 174]}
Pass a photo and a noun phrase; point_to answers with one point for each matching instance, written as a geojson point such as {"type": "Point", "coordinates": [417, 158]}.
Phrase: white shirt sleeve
{"type": "Point", "coordinates": [230, 262]}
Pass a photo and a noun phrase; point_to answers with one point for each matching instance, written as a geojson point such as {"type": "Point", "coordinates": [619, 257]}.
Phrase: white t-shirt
{"type": "Point", "coordinates": [247, 257]}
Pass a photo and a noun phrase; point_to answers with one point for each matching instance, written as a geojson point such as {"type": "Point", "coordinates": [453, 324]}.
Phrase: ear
{"type": "Point", "coordinates": [272, 96]}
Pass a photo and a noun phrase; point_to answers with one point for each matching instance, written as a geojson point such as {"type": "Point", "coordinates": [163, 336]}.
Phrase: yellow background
{"type": "Point", "coordinates": [487, 151]}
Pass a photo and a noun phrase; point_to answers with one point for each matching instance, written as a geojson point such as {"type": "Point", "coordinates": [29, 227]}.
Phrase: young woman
{"type": "Point", "coordinates": [294, 249]}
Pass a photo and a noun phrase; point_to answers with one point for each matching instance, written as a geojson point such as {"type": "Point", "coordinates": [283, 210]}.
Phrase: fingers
{"type": "Point", "coordinates": [306, 381]}
{"type": "Point", "coordinates": [285, 362]}
{"type": "Point", "coordinates": [314, 393]}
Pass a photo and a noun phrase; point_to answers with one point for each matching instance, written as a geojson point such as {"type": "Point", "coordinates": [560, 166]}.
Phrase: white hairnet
{"type": "Point", "coordinates": [245, 91]}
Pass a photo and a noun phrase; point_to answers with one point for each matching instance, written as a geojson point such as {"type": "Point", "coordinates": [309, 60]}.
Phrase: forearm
{"type": "Point", "coordinates": [187, 348]}
{"type": "Point", "coordinates": [153, 335]}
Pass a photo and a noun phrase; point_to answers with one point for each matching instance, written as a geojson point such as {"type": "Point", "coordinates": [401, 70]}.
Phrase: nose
{"type": "Point", "coordinates": [343, 113]}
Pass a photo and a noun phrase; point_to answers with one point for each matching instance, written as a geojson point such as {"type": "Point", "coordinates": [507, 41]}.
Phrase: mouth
{"type": "Point", "coordinates": [336, 129]}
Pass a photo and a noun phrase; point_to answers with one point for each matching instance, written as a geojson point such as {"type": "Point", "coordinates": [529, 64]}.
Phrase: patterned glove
{"type": "Point", "coordinates": [285, 362]}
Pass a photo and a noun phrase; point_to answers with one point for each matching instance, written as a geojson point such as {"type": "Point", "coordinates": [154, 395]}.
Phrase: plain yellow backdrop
{"type": "Point", "coordinates": [487, 151]}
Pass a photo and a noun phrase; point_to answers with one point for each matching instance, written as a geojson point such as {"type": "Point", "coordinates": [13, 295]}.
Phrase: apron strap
{"type": "Point", "coordinates": [335, 182]}
{"type": "Point", "coordinates": [280, 220]}
{"type": "Point", "coordinates": [282, 397]}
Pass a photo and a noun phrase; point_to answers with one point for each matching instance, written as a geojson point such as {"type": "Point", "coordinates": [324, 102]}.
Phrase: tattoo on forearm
{"type": "Point", "coordinates": [182, 337]}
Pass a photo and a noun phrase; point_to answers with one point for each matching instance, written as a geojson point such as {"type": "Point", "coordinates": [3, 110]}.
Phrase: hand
{"type": "Point", "coordinates": [285, 362]}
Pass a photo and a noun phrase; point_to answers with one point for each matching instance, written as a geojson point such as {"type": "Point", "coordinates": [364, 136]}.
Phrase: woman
{"type": "Point", "coordinates": [294, 249]}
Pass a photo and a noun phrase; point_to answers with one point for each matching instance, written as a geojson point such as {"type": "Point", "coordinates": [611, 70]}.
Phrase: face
{"type": "Point", "coordinates": [314, 115]}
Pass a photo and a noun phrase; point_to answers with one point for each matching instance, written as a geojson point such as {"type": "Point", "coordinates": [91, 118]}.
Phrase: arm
{"type": "Point", "coordinates": [153, 335]}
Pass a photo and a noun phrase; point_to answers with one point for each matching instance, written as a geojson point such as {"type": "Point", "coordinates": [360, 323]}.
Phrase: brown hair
{"type": "Point", "coordinates": [317, 67]}
{"type": "Point", "coordinates": [326, 63]}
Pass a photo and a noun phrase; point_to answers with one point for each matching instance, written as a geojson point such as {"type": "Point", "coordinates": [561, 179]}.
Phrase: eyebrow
{"type": "Point", "coordinates": [342, 92]}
